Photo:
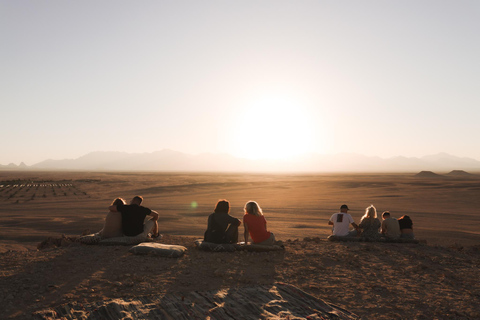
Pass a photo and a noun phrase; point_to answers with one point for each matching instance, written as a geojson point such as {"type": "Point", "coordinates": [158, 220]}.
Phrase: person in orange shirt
{"type": "Point", "coordinates": [256, 226]}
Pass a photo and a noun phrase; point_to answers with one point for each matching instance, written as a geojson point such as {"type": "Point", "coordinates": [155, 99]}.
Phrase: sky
{"type": "Point", "coordinates": [255, 79]}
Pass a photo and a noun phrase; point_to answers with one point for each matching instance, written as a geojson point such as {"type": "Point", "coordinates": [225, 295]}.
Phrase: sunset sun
{"type": "Point", "coordinates": [273, 128]}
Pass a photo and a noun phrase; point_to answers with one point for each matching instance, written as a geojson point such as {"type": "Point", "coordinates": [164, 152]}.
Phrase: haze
{"type": "Point", "coordinates": [257, 80]}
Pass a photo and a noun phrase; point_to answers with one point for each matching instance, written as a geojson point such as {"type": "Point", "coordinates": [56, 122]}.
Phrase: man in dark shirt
{"type": "Point", "coordinates": [133, 217]}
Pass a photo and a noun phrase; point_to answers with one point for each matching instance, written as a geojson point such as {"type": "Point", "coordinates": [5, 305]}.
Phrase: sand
{"type": "Point", "coordinates": [373, 280]}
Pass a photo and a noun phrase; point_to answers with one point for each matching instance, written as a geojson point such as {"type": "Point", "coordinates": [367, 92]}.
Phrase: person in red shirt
{"type": "Point", "coordinates": [256, 226]}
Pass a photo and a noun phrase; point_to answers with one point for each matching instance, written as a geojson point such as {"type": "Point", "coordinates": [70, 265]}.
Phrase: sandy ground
{"type": "Point", "coordinates": [374, 280]}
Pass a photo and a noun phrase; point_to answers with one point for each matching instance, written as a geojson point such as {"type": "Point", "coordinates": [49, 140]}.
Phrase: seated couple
{"type": "Point", "coordinates": [370, 227]}
{"type": "Point", "coordinates": [130, 220]}
{"type": "Point", "coordinates": [223, 228]}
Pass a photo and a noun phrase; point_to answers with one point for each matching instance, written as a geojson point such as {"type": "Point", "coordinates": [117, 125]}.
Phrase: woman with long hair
{"type": "Point", "coordinates": [256, 226]}
{"type": "Point", "coordinates": [113, 222]}
{"type": "Point", "coordinates": [369, 224]}
{"type": "Point", "coordinates": [406, 228]}
{"type": "Point", "coordinates": [222, 227]}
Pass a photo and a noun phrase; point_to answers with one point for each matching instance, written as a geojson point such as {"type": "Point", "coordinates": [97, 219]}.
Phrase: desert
{"type": "Point", "coordinates": [435, 279]}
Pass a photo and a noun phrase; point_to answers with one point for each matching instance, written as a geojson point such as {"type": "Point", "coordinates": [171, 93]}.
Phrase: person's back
{"type": "Point", "coordinates": [255, 225]}
{"type": "Point", "coordinates": [217, 227]}
{"type": "Point", "coordinates": [113, 225]}
{"type": "Point", "coordinates": [133, 217]}
{"type": "Point", "coordinates": [370, 228]}
{"type": "Point", "coordinates": [369, 224]}
{"type": "Point", "coordinates": [113, 222]}
{"type": "Point", "coordinates": [406, 228]}
{"type": "Point", "coordinates": [222, 227]}
{"type": "Point", "coordinates": [390, 226]}
{"type": "Point", "coordinates": [341, 223]}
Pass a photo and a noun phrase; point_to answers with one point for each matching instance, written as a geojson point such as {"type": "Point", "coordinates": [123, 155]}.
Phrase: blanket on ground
{"type": "Point", "coordinates": [226, 247]}
{"type": "Point", "coordinates": [360, 239]}
{"type": "Point", "coordinates": [95, 238]}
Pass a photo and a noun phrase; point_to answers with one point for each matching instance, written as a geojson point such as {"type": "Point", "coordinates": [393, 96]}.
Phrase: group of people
{"type": "Point", "coordinates": [136, 220]}
{"type": "Point", "coordinates": [130, 220]}
{"type": "Point", "coordinates": [223, 228]}
{"type": "Point", "coordinates": [370, 227]}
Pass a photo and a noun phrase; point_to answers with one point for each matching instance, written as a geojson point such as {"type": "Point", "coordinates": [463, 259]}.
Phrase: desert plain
{"type": "Point", "coordinates": [436, 279]}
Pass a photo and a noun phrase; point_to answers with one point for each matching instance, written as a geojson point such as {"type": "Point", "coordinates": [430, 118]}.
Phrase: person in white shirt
{"type": "Point", "coordinates": [341, 223]}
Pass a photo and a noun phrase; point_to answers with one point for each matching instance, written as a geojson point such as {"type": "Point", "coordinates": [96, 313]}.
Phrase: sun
{"type": "Point", "coordinates": [273, 127]}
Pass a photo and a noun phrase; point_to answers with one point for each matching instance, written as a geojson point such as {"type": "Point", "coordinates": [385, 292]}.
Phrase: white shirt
{"type": "Point", "coordinates": [341, 223]}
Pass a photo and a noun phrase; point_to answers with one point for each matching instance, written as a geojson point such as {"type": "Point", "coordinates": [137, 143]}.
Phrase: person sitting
{"type": "Point", "coordinates": [406, 228]}
{"type": "Point", "coordinates": [390, 226]}
{"type": "Point", "coordinates": [113, 222]}
{"type": "Point", "coordinates": [222, 227]}
{"type": "Point", "coordinates": [133, 218]}
{"type": "Point", "coordinates": [341, 222]}
{"type": "Point", "coordinates": [369, 224]}
{"type": "Point", "coordinates": [255, 225]}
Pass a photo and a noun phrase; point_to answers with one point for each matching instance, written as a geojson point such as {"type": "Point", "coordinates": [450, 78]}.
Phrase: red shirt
{"type": "Point", "coordinates": [257, 227]}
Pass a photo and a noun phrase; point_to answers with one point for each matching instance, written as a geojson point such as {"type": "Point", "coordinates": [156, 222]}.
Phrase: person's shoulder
{"type": "Point", "coordinates": [146, 209]}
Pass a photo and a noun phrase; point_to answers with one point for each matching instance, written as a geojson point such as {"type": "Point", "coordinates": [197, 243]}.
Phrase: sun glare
{"type": "Point", "coordinates": [273, 128]}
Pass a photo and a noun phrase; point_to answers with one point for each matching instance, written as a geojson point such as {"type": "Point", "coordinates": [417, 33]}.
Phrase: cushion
{"type": "Point", "coordinates": [216, 247]}
{"type": "Point", "coordinates": [159, 249]}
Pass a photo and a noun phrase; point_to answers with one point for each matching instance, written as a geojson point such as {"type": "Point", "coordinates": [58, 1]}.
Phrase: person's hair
{"type": "Point", "coordinates": [405, 217]}
{"type": "Point", "coordinates": [118, 201]}
{"type": "Point", "coordinates": [251, 207]}
{"type": "Point", "coordinates": [222, 206]}
{"type": "Point", "coordinates": [370, 213]}
{"type": "Point", "coordinates": [386, 214]}
{"type": "Point", "coordinates": [138, 199]}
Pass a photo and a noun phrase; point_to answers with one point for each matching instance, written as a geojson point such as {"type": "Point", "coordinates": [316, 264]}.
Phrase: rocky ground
{"type": "Point", "coordinates": [372, 280]}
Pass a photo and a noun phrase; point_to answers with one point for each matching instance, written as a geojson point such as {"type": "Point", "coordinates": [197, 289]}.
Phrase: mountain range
{"type": "Point", "coordinates": [169, 160]}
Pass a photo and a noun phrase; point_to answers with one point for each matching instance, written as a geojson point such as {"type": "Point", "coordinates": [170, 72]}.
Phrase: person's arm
{"type": "Point", "coordinates": [113, 208]}
{"type": "Point", "coordinates": [384, 227]}
{"type": "Point", "coordinates": [233, 221]}
{"type": "Point", "coordinates": [245, 233]}
{"type": "Point", "coordinates": [330, 223]}
{"type": "Point", "coordinates": [154, 215]}
{"type": "Point", "coordinates": [355, 226]}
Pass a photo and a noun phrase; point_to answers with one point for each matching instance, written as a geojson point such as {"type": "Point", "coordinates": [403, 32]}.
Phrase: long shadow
{"type": "Point", "coordinates": [216, 275]}
{"type": "Point", "coordinates": [43, 282]}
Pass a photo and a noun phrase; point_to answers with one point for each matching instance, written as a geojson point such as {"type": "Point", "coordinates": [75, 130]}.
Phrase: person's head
{"type": "Point", "coordinates": [385, 215]}
{"type": "Point", "coordinates": [344, 208]}
{"type": "Point", "coordinates": [370, 212]}
{"type": "Point", "coordinates": [251, 207]}
{"type": "Point", "coordinates": [137, 200]}
{"type": "Point", "coordinates": [118, 201]}
{"type": "Point", "coordinates": [222, 206]}
{"type": "Point", "coordinates": [405, 217]}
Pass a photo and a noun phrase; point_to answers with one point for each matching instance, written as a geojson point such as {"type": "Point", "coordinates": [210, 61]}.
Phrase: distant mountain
{"type": "Point", "coordinates": [427, 174]}
{"type": "Point", "coordinates": [13, 166]}
{"type": "Point", "coordinates": [459, 173]}
{"type": "Point", "coordinates": [169, 160]}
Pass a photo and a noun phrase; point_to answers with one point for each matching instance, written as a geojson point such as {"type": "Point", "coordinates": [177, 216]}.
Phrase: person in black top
{"type": "Point", "coordinates": [222, 227]}
{"type": "Point", "coordinates": [406, 228]}
{"type": "Point", "coordinates": [133, 218]}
